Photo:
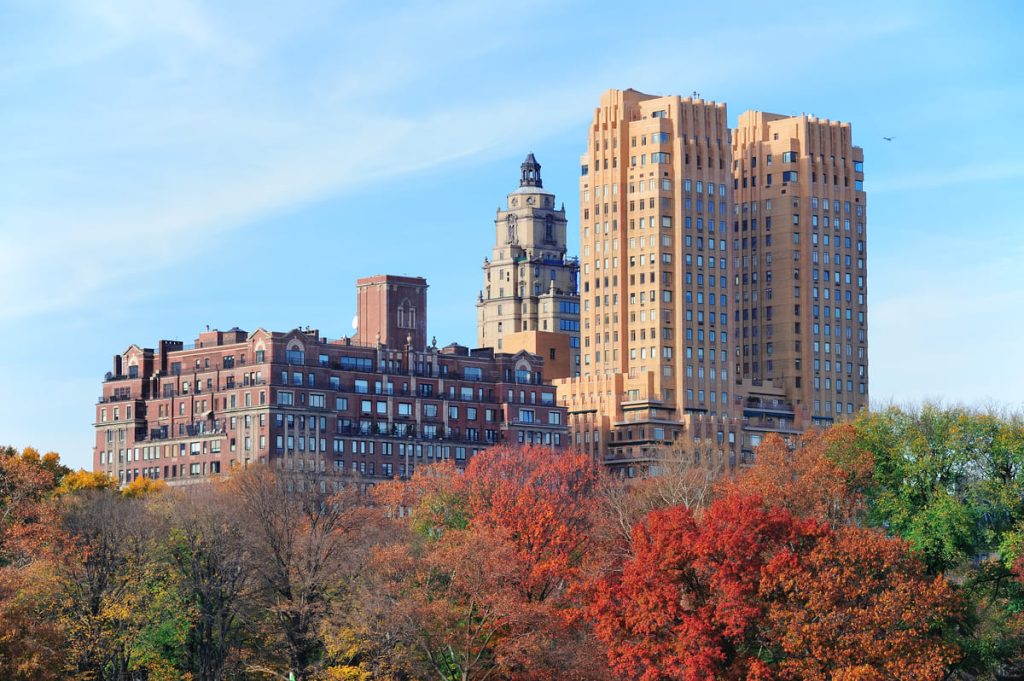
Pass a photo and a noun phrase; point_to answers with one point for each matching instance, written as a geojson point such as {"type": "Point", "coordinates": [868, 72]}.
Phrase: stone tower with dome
{"type": "Point", "coordinates": [530, 299]}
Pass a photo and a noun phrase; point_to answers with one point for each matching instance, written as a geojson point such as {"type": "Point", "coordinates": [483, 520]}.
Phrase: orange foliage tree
{"type": "Point", "coordinates": [542, 502]}
{"type": "Point", "coordinates": [24, 481]}
{"type": "Point", "coordinates": [858, 606]}
{"type": "Point", "coordinates": [480, 583]}
{"type": "Point", "coordinates": [458, 603]}
{"type": "Point", "coordinates": [30, 640]}
{"type": "Point", "coordinates": [821, 477]}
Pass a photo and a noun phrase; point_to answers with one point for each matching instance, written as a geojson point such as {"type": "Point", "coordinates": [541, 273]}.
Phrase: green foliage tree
{"type": "Point", "coordinates": [951, 482]}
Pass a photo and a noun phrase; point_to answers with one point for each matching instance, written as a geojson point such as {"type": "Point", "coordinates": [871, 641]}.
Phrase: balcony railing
{"type": "Point", "coordinates": [105, 399]}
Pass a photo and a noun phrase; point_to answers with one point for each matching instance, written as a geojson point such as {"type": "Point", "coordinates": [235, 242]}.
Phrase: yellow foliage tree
{"type": "Point", "coordinates": [140, 487]}
{"type": "Point", "coordinates": [83, 479]}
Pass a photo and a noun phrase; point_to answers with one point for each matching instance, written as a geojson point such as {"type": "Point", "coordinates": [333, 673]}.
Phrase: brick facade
{"type": "Point", "coordinates": [296, 399]}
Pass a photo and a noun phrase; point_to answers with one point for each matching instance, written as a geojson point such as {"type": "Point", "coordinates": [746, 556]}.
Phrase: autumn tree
{"type": "Point", "coordinates": [24, 481]}
{"type": "Point", "coordinates": [457, 604]}
{"type": "Point", "coordinates": [111, 585]}
{"type": "Point", "coordinates": [858, 605]}
{"type": "Point", "coordinates": [50, 462]}
{"type": "Point", "coordinates": [542, 502]}
{"type": "Point", "coordinates": [76, 481]}
{"type": "Point", "coordinates": [140, 487]}
{"type": "Point", "coordinates": [750, 591]}
{"type": "Point", "coordinates": [823, 475]}
{"type": "Point", "coordinates": [211, 563]}
{"type": "Point", "coordinates": [301, 534]}
{"type": "Point", "coordinates": [31, 638]}
{"type": "Point", "coordinates": [686, 604]}
{"type": "Point", "coordinates": [478, 583]}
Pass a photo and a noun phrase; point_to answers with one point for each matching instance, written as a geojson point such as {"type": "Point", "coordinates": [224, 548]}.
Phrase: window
{"type": "Point", "coordinates": [295, 356]}
{"type": "Point", "coordinates": [285, 398]}
{"type": "Point", "coordinates": [356, 363]}
{"type": "Point", "coordinates": [317, 400]}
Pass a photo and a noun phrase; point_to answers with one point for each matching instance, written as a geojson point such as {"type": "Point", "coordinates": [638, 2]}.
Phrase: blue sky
{"type": "Point", "coordinates": [171, 164]}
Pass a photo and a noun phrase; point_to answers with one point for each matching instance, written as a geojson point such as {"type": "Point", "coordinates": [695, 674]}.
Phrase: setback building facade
{"type": "Point", "coordinates": [655, 281]}
{"type": "Point", "coordinates": [723, 291]}
{"type": "Point", "coordinates": [799, 236]}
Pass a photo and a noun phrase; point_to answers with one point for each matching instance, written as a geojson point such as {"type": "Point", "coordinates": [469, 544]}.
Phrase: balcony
{"type": "Point", "coordinates": [532, 423]}
{"type": "Point", "coordinates": [771, 425]}
{"type": "Point", "coordinates": [115, 398]}
{"type": "Point", "coordinates": [757, 406]}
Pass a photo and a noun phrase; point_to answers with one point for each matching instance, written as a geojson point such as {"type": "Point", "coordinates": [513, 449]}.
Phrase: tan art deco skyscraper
{"type": "Point", "coordinates": [799, 235]}
{"type": "Point", "coordinates": [655, 272]}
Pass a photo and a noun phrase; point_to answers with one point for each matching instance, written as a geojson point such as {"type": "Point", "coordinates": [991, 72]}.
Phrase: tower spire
{"type": "Point", "coordinates": [530, 173]}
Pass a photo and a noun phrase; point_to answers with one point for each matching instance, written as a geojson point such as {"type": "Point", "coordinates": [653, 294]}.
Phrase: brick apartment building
{"type": "Point", "coordinates": [376, 405]}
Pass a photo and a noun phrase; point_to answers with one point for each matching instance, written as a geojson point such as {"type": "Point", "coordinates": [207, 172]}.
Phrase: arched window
{"type": "Point", "coordinates": [406, 315]}
{"type": "Point", "coordinates": [549, 228]}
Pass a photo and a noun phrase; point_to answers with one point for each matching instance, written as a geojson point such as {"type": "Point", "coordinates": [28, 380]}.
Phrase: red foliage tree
{"type": "Point", "coordinates": [749, 591]}
{"type": "Point", "coordinates": [686, 605]}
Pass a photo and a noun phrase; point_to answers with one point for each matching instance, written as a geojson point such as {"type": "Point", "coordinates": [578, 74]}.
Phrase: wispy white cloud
{"type": "Point", "coordinates": [118, 191]}
{"type": "Point", "coordinates": [195, 123]}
